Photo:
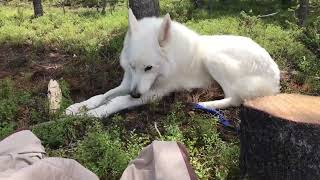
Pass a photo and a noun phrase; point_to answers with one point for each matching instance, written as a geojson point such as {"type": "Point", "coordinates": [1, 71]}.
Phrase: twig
{"type": "Point", "coordinates": [155, 126]}
{"type": "Point", "coordinates": [267, 15]}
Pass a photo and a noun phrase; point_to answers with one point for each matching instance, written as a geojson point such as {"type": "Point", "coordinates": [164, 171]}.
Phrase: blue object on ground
{"type": "Point", "coordinates": [214, 112]}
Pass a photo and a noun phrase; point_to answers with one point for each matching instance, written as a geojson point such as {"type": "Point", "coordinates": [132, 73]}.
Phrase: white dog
{"type": "Point", "coordinates": [160, 56]}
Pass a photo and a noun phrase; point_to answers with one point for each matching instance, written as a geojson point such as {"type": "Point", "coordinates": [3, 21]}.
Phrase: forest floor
{"type": "Point", "coordinates": [80, 49]}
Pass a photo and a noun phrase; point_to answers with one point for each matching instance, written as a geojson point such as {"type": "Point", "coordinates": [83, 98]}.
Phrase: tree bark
{"type": "Point", "coordinates": [145, 8]}
{"type": "Point", "coordinates": [104, 5]}
{"type": "Point", "coordinates": [37, 7]}
{"type": "Point", "coordinates": [63, 7]}
{"type": "Point", "coordinates": [280, 138]}
{"type": "Point", "coordinates": [198, 3]}
{"type": "Point", "coordinates": [302, 12]}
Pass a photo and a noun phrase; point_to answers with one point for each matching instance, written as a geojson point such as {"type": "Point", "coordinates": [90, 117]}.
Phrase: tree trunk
{"type": "Point", "coordinates": [63, 7]}
{"type": "Point", "coordinates": [210, 5]}
{"type": "Point", "coordinates": [302, 12]}
{"type": "Point", "coordinates": [198, 3]}
{"type": "Point", "coordinates": [37, 7]}
{"type": "Point", "coordinates": [145, 8]}
{"type": "Point", "coordinates": [104, 6]}
{"type": "Point", "coordinates": [280, 138]}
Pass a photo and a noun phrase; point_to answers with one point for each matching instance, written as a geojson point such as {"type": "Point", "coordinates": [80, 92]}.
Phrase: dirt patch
{"type": "Point", "coordinates": [29, 67]}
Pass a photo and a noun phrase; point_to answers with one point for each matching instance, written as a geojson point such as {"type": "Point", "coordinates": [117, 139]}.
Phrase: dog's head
{"type": "Point", "coordinates": [143, 55]}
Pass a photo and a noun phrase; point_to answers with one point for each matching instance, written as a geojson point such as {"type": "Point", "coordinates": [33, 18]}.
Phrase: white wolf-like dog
{"type": "Point", "coordinates": [160, 56]}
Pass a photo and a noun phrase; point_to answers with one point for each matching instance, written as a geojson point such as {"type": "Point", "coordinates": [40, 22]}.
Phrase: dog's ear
{"type": "Point", "coordinates": [132, 21]}
{"type": "Point", "coordinates": [164, 33]}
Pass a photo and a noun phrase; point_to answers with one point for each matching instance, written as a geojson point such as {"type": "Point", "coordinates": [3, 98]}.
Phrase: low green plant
{"type": "Point", "coordinates": [135, 143]}
{"type": "Point", "coordinates": [10, 99]}
{"type": "Point", "coordinates": [63, 131]}
{"type": "Point", "coordinates": [65, 91]}
{"type": "Point", "coordinates": [6, 128]}
{"type": "Point", "coordinates": [312, 36]}
{"type": "Point", "coordinates": [103, 153]}
{"type": "Point", "coordinates": [211, 157]}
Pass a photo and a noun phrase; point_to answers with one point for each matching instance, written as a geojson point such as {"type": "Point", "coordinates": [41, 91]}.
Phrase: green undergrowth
{"type": "Point", "coordinates": [21, 108]}
{"type": "Point", "coordinates": [73, 32]}
{"type": "Point", "coordinates": [11, 101]}
{"type": "Point", "coordinates": [107, 149]}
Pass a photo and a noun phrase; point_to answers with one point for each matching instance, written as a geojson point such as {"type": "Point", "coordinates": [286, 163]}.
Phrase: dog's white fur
{"type": "Point", "coordinates": [182, 59]}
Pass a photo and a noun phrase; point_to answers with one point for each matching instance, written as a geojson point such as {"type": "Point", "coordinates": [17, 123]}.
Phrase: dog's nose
{"type": "Point", "coordinates": [135, 94]}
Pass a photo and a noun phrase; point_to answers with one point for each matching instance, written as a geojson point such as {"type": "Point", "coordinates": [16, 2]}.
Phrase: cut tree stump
{"type": "Point", "coordinates": [280, 138]}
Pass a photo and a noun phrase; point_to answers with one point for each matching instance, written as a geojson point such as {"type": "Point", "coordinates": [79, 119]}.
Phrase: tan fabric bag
{"type": "Point", "coordinates": [161, 160]}
{"type": "Point", "coordinates": [22, 158]}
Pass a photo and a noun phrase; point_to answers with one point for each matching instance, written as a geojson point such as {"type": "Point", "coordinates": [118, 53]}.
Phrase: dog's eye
{"type": "Point", "coordinates": [148, 68]}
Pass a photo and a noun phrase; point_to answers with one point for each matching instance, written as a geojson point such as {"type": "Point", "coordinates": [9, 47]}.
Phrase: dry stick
{"type": "Point", "coordinates": [267, 15]}
{"type": "Point", "coordinates": [155, 126]}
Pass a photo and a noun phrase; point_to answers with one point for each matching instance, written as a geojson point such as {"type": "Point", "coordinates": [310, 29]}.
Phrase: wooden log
{"type": "Point", "coordinates": [280, 138]}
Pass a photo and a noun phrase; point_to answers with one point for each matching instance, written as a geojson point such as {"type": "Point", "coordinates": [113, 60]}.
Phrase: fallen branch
{"type": "Point", "coordinates": [267, 15]}
{"type": "Point", "coordinates": [156, 127]}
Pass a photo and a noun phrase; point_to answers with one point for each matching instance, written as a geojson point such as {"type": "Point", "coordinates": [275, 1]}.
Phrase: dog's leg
{"type": "Point", "coordinates": [123, 102]}
{"type": "Point", "coordinates": [230, 100]}
{"type": "Point", "coordinates": [221, 104]}
{"type": "Point", "coordinates": [97, 100]}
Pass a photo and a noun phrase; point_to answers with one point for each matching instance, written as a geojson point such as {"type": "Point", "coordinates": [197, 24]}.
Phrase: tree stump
{"type": "Point", "coordinates": [280, 138]}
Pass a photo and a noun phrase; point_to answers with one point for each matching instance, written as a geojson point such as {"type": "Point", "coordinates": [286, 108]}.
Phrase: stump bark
{"type": "Point", "coordinates": [280, 138]}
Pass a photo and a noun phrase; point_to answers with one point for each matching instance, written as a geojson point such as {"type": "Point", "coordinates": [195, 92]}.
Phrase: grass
{"type": "Point", "coordinates": [75, 33]}
{"type": "Point", "coordinates": [88, 44]}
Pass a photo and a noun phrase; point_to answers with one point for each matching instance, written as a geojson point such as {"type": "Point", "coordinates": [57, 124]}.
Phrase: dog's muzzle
{"type": "Point", "coordinates": [135, 94]}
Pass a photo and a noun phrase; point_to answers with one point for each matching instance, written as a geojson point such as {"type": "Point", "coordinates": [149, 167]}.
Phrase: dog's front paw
{"type": "Point", "coordinates": [75, 109]}
{"type": "Point", "coordinates": [100, 112]}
